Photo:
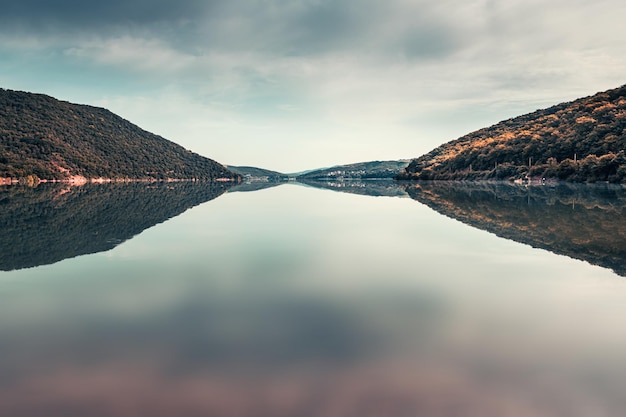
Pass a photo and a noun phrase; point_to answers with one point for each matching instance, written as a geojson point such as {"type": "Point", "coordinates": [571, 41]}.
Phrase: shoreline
{"type": "Point", "coordinates": [77, 180]}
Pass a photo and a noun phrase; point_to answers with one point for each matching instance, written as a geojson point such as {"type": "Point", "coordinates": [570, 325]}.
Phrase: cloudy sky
{"type": "Point", "coordinates": [299, 84]}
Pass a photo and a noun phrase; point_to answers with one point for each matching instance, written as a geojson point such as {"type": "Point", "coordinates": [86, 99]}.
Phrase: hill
{"type": "Point", "coordinates": [56, 140]}
{"type": "Point", "coordinates": [258, 174]}
{"type": "Point", "coordinates": [361, 170]}
{"type": "Point", "coordinates": [583, 140]}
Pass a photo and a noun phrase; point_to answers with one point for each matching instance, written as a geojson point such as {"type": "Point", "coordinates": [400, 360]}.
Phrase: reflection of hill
{"type": "Point", "coordinates": [373, 188]}
{"type": "Point", "coordinates": [47, 224]}
{"type": "Point", "coordinates": [254, 186]}
{"type": "Point", "coordinates": [586, 222]}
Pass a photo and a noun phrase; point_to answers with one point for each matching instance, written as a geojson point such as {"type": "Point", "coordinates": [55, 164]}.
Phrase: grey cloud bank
{"type": "Point", "coordinates": [323, 82]}
{"type": "Point", "coordinates": [75, 14]}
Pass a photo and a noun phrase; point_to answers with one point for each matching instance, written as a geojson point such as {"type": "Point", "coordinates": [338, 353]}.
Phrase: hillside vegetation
{"type": "Point", "coordinates": [359, 171]}
{"type": "Point", "coordinates": [579, 141]}
{"type": "Point", "coordinates": [50, 139]}
{"type": "Point", "coordinates": [258, 174]}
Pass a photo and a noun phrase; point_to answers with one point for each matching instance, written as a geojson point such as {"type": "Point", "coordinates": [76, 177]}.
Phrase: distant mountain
{"type": "Point", "coordinates": [302, 173]}
{"type": "Point", "coordinates": [361, 170]}
{"type": "Point", "coordinates": [51, 139]}
{"type": "Point", "coordinates": [586, 222]}
{"type": "Point", "coordinates": [579, 141]}
{"type": "Point", "coordinates": [50, 223]}
{"type": "Point", "coordinates": [258, 174]}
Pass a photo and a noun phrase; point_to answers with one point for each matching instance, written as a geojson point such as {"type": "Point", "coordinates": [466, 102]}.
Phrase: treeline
{"type": "Point", "coordinates": [50, 139]}
{"type": "Point", "coordinates": [579, 141]}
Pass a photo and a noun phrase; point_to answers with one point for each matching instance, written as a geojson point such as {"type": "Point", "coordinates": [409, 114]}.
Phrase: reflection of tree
{"type": "Point", "coordinates": [47, 224]}
{"type": "Point", "coordinates": [254, 186]}
{"type": "Point", "coordinates": [586, 222]}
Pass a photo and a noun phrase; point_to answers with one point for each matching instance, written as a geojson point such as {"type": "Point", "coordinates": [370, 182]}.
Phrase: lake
{"type": "Point", "coordinates": [320, 299]}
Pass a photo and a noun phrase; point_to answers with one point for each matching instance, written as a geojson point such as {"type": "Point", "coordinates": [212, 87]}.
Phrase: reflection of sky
{"type": "Point", "coordinates": [309, 292]}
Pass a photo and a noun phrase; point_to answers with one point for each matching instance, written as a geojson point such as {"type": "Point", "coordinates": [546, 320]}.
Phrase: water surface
{"type": "Point", "coordinates": [299, 301]}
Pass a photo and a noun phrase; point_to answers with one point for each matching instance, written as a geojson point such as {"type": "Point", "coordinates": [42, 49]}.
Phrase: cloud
{"type": "Point", "coordinates": [274, 27]}
{"type": "Point", "coordinates": [136, 54]}
{"type": "Point", "coordinates": [80, 14]}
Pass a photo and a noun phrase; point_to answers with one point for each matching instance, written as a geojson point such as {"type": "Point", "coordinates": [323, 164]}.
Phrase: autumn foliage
{"type": "Point", "coordinates": [580, 141]}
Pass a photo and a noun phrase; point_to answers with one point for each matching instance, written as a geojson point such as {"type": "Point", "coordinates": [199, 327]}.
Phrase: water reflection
{"type": "Point", "coordinates": [50, 223]}
{"type": "Point", "coordinates": [248, 186]}
{"type": "Point", "coordinates": [372, 188]}
{"type": "Point", "coordinates": [586, 222]}
{"type": "Point", "coordinates": [302, 302]}
{"type": "Point", "coordinates": [582, 221]}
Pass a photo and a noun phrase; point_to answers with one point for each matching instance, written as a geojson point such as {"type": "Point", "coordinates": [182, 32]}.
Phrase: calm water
{"type": "Point", "coordinates": [424, 300]}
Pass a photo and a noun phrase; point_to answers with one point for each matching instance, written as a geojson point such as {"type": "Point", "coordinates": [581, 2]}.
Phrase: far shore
{"type": "Point", "coordinates": [78, 180]}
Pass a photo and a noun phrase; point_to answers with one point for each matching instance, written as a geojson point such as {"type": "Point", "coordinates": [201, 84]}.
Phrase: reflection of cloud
{"type": "Point", "coordinates": [398, 389]}
{"type": "Point", "coordinates": [212, 333]}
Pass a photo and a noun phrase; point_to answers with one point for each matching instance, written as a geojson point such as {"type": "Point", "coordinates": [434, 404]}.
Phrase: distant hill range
{"type": "Point", "coordinates": [579, 141]}
{"type": "Point", "coordinates": [360, 171]}
{"type": "Point", "coordinates": [41, 137]}
{"type": "Point", "coordinates": [258, 174]}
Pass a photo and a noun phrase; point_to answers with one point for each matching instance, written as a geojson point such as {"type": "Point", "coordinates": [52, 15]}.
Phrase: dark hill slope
{"type": "Point", "coordinates": [53, 139]}
{"type": "Point", "coordinates": [583, 140]}
{"type": "Point", "coordinates": [254, 173]}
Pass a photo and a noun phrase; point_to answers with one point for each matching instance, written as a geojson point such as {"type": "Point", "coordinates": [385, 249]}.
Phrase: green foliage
{"type": "Point", "coordinates": [359, 171]}
{"type": "Point", "coordinates": [579, 141]}
{"type": "Point", "coordinates": [258, 173]}
{"type": "Point", "coordinates": [52, 139]}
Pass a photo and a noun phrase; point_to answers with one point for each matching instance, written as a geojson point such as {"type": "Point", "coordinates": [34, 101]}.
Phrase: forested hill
{"type": "Point", "coordinates": [255, 174]}
{"type": "Point", "coordinates": [358, 171]}
{"type": "Point", "coordinates": [579, 141]}
{"type": "Point", "coordinates": [51, 139]}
